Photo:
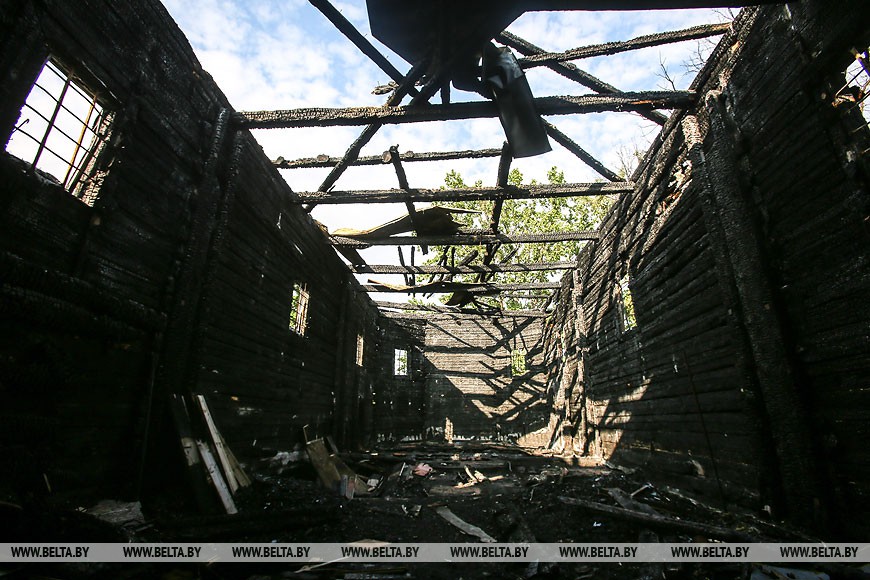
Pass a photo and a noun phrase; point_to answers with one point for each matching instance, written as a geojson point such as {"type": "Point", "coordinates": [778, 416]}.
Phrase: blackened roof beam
{"type": "Point", "coordinates": [470, 269]}
{"type": "Point", "coordinates": [609, 48]}
{"type": "Point", "coordinates": [377, 116]}
{"type": "Point", "coordinates": [466, 239]}
{"type": "Point", "coordinates": [360, 41]}
{"type": "Point", "coordinates": [326, 161]}
{"type": "Point", "coordinates": [571, 72]}
{"type": "Point", "coordinates": [471, 193]}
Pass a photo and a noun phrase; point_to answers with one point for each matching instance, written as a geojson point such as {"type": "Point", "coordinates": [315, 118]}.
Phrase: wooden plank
{"type": "Point", "coordinates": [471, 269]}
{"type": "Point", "coordinates": [216, 477]}
{"type": "Point", "coordinates": [217, 440]}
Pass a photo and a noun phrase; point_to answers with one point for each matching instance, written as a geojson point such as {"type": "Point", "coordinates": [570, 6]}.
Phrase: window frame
{"type": "Point", "coordinates": [76, 173]}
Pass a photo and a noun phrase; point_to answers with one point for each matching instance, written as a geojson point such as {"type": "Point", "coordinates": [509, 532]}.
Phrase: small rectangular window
{"type": "Point", "coordinates": [626, 304]}
{"type": "Point", "coordinates": [400, 363]}
{"type": "Point", "coordinates": [519, 364]}
{"type": "Point", "coordinates": [360, 345]}
{"type": "Point", "coordinates": [299, 309]}
{"type": "Point", "coordinates": [61, 129]}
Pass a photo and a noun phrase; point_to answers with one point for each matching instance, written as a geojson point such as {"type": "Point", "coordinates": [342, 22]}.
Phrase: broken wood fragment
{"type": "Point", "coordinates": [661, 521]}
{"type": "Point", "coordinates": [216, 477]}
{"type": "Point", "coordinates": [467, 528]}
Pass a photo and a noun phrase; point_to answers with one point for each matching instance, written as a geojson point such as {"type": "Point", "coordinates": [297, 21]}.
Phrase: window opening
{"type": "Point", "coordinates": [360, 344]}
{"type": "Point", "coordinates": [518, 362]}
{"type": "Point", "coordinates": [61, 128]}
{"type": "Point", "coordinates": [400, 363]}
{"type": "Point", "coordinates": [854, 92]}
{"type": "Point", "coordinates": [299, 308]}
{"type": "Point", "coordinates": [629, 320]}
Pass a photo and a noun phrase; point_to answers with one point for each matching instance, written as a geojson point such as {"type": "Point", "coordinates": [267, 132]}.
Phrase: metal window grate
{"type": "Point", "coordinates": [61, 127]}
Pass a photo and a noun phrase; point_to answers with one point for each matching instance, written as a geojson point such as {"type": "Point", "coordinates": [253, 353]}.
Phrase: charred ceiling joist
{"type": "Point", "coordinates": [560, 105]}
{"type": "Point", "coordinates": [472, 193]}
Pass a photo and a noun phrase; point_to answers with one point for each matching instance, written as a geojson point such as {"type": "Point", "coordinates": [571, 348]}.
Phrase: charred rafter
{"type": "Point", "coordinates": [377, 116]}
{"type": "Point", "coordinates": [466, 239]}
{"type": "Point", "coordinates": [609, 48]}
{"type": "Point", "coordinates": [472, 193]}
{"type": "Point", "coordinates": [581, 153]}
{"type": "Point", "coordinates": [471, 269]}
{"type": "Point", "coordinates": [448, 287]}
{"type": "Point", "coordinates": [407, 156]}
{"type": "Point", "coordinates": [404, 306]}
{"type": "Point", "coordinates": [360, 41]}
{"type": "Point", "coordinates": [571, 72]}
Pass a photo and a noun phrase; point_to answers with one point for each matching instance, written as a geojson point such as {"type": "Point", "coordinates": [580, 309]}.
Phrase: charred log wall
{"type": "Point", "coordinates": [400, 399]}
{"type": "Point", "coordinates": [177, 277]}
{"type": "Point", "coordinates": [744, 248]}
{"type": "Point", "coordinates": [471, 391]}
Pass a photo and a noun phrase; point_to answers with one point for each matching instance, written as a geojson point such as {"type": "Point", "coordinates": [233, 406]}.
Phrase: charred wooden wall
{"type": "Point", "coordinates": [176, 279]}
{"type": "Point", "coordinates": [470, 390]}
{"type": "Point", "coordinates": [400, 400]}
{"type": "Point", "coordinates": [745, 244]}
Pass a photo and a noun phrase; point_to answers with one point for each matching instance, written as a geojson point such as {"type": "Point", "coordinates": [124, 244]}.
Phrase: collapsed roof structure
{"type": "Point", "coordinates": [166, 281]}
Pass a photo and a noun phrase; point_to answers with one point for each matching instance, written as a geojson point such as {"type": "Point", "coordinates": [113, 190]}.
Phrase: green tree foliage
{"type": "Point", "coordinates": [527, 216]}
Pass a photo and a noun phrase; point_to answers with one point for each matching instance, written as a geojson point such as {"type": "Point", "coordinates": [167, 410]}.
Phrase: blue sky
{"type": "Point", "coordinates": [269, 54]}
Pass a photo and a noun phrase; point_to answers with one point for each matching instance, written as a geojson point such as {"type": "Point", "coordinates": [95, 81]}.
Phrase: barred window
{"type": "Point", "coordinates": [299, 309]}
{"type": "Point", "coordinates": [61, 129]}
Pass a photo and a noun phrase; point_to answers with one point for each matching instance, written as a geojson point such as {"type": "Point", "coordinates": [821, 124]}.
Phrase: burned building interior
{"type": "Point", "coordinates": [181, 336]}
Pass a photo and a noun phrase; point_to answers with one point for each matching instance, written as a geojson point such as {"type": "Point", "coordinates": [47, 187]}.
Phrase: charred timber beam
{"type": "Point", "coordinates": [504, 168]}
{"type": "Point", "coordinates": [469, 239]}
{"type": "Point", "coordinates": [407, 156]}
{"type": "Point", "coordinates": [472, 269]}
{"type": "Point", "coordinates": [405, 306]}
{"type": "Point", "coordinates": [472, 193]}
{"type": "Point", "coordinates": [563, 105]}
{"type": "Point", "coordinates": [609, 48]}
{"type": "Point", "coordinates": [447, 287]}
{"type": "Point", "coordinates": [581, 153]}
{"type": "Point", "coordinates": [571, 72]}
{"type": "Point", "coordinates": [360, 41]}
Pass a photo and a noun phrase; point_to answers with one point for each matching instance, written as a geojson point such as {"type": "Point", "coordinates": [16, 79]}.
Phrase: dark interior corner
{"type": "Point", "coordinates": [169, 302]}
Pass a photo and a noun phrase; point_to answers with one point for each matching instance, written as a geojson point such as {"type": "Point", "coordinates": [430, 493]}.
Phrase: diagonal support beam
{"type": "Point", "coordinates": [504, 168]}
{"type": "Point", "coordinates": [581, 153]}
{"type": "Point", "coordinates": [472, 193]}
{"type": "Point", "coordinates": [571, 72]}
{"type": "Point", "coordinates": [609, 48]}
{"type": "Point", "coordinates": [360, 41]}
{"type": "Point", "coordinates": [377, 116]}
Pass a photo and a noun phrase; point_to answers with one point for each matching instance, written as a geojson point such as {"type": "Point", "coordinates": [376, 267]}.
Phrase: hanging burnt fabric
{"type": "Point", "coordinates": [516, 107]}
